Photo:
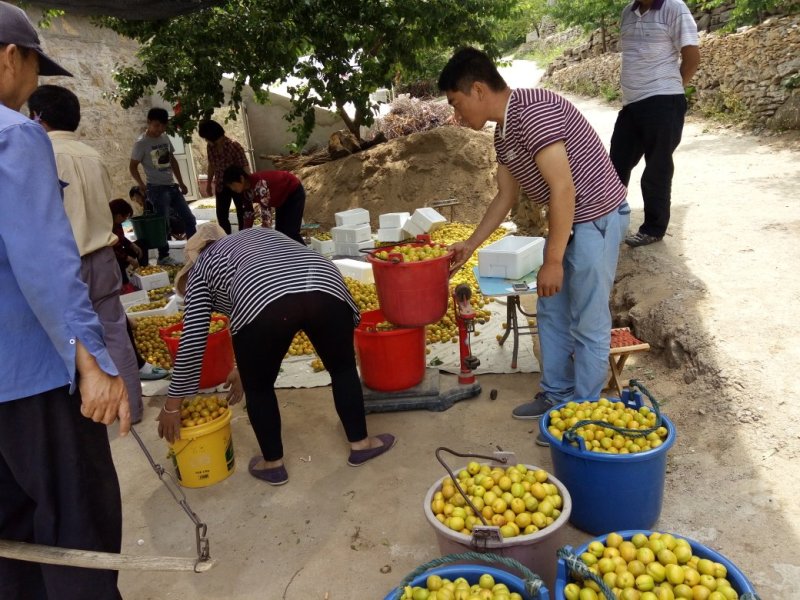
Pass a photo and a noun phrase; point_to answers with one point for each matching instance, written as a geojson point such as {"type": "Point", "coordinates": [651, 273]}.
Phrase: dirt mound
{"type": "Point", "coordinates": [406, 173]}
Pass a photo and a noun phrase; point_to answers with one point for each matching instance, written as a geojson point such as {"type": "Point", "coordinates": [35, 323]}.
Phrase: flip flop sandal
{"type": "Point", "coordinates": [155, 373]}
{"type": "Point", "coordinates": [273, 476]}
{"type": "Point", "coordinates": [359, 457]}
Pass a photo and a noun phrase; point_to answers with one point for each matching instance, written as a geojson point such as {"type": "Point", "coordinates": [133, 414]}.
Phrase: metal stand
{"type": "Point", "coordinates": [512, 306]}
{"type": "Point", "coordinates": [426, 395]}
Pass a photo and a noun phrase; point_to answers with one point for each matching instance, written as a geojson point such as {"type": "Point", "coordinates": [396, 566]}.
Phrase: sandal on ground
{"type": "Point", "coordinates": [359, 457]}
{"type": "Point", "coordinates": [273, 476]}
{"type": "Point", "coordinates": [152, 373]}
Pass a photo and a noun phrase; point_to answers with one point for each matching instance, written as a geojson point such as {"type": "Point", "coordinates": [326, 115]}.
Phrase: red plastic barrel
{"type": "Point", "coordinates": [389, 360]}
{"type": "Point", "coordinates": [411, 294]}
{"type": "Point", "coordinates": [218, 359]}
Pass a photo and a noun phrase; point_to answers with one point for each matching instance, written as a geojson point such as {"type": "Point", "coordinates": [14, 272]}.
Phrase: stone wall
{"type": "Point", "coordinates": [91, 54]}
{"type": "Point", "coordinates": [753, 74]}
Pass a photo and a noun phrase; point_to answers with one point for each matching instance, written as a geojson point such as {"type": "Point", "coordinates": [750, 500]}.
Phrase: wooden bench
{"type": "Point", "coordinates": [623, 344]}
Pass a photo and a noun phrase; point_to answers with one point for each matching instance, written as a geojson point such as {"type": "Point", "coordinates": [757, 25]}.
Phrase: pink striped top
{"type": "Point", "coordinates": [536, 118]}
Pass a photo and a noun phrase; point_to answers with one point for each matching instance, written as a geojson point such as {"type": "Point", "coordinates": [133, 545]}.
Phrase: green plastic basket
{"type": "Point", "coordinates": [151, 230]}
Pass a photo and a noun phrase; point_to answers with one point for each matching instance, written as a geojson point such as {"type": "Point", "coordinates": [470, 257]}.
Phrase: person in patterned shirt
{"type": "Point", "coordinates": [280, 190]}
{"type": "Point", "coordinates": [545, 146]}
{"type": "Point", "coordinates": [224, 152]}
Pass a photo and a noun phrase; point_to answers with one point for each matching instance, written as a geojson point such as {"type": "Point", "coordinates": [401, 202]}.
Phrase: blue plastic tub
{"type": "Point", "coordinates": [739, 582]}
{"type": "Point", "coordinates": [472, 573]}
{"type": "Point", "coordinates": [611, 492]}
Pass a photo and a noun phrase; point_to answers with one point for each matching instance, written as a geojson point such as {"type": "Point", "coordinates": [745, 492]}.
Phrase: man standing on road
{"type": "Point", "coordinates": [660, 55]}
{"type": "Point", "coordinates": [59, 387]}
{"type": "Point", "coordinates": [546, 146]}
{"type": "Point", "coordinates": [86, 198]}
{"type": "Point", "coordinates": [154, 151]}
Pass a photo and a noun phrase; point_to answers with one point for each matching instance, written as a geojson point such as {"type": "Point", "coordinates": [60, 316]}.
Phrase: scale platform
{"type": "Point", "coordinates": [426, 395]}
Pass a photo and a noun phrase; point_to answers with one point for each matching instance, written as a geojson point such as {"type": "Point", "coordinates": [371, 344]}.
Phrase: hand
{"type": "Point", "coordinates": [169, 423]}
{"type": "Point", "coordinates": [104, 398]}
{"type": "Point", "coordinates": [133, 262]}
{"type": "Point", "coordinates": [549, 279]}
{"type": "Point", "coordinates": [137, 251]}
{"type": "Point", "coordinates": [236, 390]}
{"type": "Point", "coordinates": [461, 253]}
{"type": "Point", "coordinates": [208, 190]}
{"type": "Point", "coordinates": [182, 187]}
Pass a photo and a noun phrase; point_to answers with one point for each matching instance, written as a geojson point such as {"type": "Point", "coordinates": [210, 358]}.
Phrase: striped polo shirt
{"type": "Point", "coordinates": [536, 118]}
{"type": "Point", "coordinates": [239, 276]}
{"type": "Point", "coordinates": [651, 43]}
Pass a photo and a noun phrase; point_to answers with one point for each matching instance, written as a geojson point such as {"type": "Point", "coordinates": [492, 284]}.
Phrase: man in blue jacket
{"type": "Point", "coordinates": [59, 387]}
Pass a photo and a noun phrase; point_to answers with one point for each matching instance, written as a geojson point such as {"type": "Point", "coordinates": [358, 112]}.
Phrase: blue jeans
{"type": "Point", "coordinates": [165, 196]}
{"type": "Point", "coordinates": [575, 324]}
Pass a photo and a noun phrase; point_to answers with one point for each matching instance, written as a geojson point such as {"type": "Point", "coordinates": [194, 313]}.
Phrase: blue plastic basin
{"type": "Point", "coordinates": [611, 492]}
{"type": "Point", "coordinates": [472, 573]}
{"type": "Point", "coordinates": [738, 581]}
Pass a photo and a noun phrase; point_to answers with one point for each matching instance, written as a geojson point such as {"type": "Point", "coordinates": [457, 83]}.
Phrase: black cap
{"type": "Point", "coordinates": [17, 29]}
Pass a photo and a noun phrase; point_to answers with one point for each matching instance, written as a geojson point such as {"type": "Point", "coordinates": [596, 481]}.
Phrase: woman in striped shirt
{"type": "Point", "coordinates": [271, 287]}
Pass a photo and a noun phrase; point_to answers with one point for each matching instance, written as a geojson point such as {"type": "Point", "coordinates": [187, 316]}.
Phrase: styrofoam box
{"type": "Point", "coordinates": [170, 309]}
{"type": "Point", "coordinates": [393, 220]}
{"type": "Point", "coordinates": [205, 213]}
{"type": "Point", "coordinates": [177, 250]}
{"type": "Point", "coordinates": [395, 234]}
{"type": "Point", "coordinates": [427, 219]}
{"type": "Point", "coordinates": [412, 229]}
{"type": "Point", "coordinates": [351, 233]}
{"type": "Point", "coordinates": [354, 216]}
{"type": "Point", "coordinates": [134, 298]}
{"type": "Point", "coordinates": [511, 257]}
{"type": "Point", "coordinates": [354, 249]}
{"type": "Point", "coordinates": [356, 269]}
{"type": "Point", "coordinates": [324, 247]}
{"type": "Point", "coordinates": [150, 282]}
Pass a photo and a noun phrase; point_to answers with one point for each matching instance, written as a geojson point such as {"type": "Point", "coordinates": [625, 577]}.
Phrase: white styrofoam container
{"type": "Point", "coordinates": [209, 214]}
{"type": "Point", "coordinates": [427, 219]}
{"type": "Point", "coordinates": [324, 247]}
{"type": "Point", "coordinates": [356, 269]}
{"type": "Point", "coordinates": [150, 282]}
{"type": "Point", "coordinates": [393, 220]}
{"type": "Point", "coordinates": [354, 216]}
{"type": "Point", "coordinates": [412, 229]}
{"type": "Point", "coordinates": [394, 234]}
{"type": "Point", "coordinates": [351, 233]}
{"type": "Point", "coordinates": [354, 249]}
{"type": "Point", "coordinates": [134, 298]}
{"type": "Point", "coordinates": [177, 250]}
{"type": "Point", "coordinates": [511, 257]}
{"type": "Point", "coordinates": [170, 309]}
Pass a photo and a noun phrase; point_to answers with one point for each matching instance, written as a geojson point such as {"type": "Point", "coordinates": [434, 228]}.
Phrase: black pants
{"type": "Point", "coordinates": [261, 345]}
{"type": "Point", "coordinates": [651, 128]}
{"type": "Point", "coordinates": [289, 215]}
{"type": "Point", "coordinates": [223, 206]}
{"type": "Point", "coordinates": [58, 488]}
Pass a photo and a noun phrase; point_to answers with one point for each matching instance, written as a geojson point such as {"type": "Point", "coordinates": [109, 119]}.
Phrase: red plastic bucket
{"type": "Point", "coordinates": [389, 360]}
{"type": "Point", "coordinates": [411, 294]}
{"type": "Point", "coordinates": [218, 358]}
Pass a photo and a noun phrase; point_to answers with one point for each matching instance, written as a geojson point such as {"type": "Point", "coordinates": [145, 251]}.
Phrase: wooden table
{"type": "Point", "coordinates": [623, 344]}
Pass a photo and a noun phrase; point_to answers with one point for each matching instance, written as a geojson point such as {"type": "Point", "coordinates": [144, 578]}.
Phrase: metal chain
{"type": "Point", "coordinates": [200, 528]}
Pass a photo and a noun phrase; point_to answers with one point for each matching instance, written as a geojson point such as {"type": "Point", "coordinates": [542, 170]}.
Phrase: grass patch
{"type": "Point", "coordinates": [543, 54]}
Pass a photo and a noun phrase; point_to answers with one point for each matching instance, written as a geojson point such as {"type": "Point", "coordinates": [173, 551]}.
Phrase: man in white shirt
{"type": "Point", "coordinates": [660, 55]}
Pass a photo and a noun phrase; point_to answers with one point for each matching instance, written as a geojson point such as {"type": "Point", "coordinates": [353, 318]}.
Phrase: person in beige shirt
{"type": "Point", "coordinates": [87, 192]}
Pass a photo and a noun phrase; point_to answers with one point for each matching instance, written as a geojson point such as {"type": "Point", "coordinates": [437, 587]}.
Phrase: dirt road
{"type": "Point", "coordinates": [718, 299]}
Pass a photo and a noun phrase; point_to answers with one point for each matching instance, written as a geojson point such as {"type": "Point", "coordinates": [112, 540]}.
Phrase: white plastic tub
{"type": "Point", "coordinates": [354, 249]}
{"type": "Point", "coordinates": [393, 220]}
{"type": "Point", "coordinates": [351, 234]}
{"type": "Point", "coordinates": [355, 269]}
{"type": "Point", "coordinates": [354, 216]}
{"type": "Point", "coordinates": [150, 282]}
{"type": "Point", "coordinates": [393, 234]}
{"type": "Point", "coordinates": [170, 309]}
{"type": "Point", "coordinates": [427, 219]}
{"type": "Point", "coordinates": [324, 247]}
{"type": "Point", "coordinates": [511, 257]}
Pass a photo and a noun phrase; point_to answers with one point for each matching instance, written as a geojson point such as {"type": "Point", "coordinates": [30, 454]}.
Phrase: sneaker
{"type": "Point", "coordinates": [541, 440]}
{"type": "Point", "coordinates": [534, 409]}
{"type": "Point", "coordinates": [641, 239]}
{"type": "Point", "coordinates": [168, 261]}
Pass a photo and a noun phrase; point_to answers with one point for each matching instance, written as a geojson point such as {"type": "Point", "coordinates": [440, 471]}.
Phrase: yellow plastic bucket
{"type": "Point", "coordinates": [204, 454]}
